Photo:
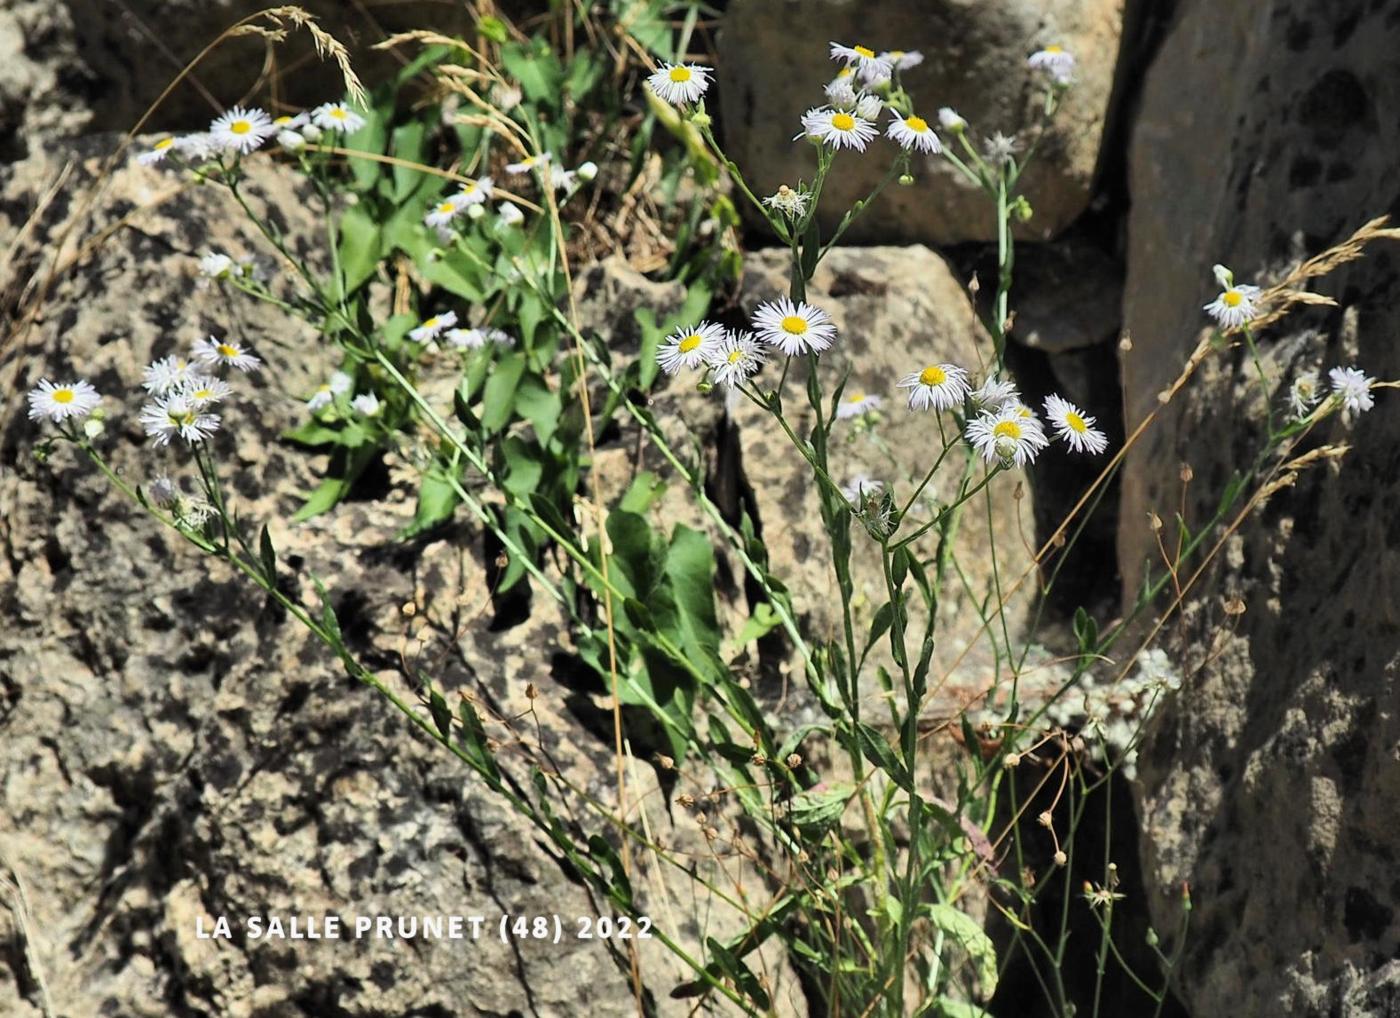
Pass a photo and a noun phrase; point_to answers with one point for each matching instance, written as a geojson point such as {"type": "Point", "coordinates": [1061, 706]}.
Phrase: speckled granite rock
{"type": "Point", "coordinates": [176, 748]}
{"type": "Point", "coordinates": [1267, 132]}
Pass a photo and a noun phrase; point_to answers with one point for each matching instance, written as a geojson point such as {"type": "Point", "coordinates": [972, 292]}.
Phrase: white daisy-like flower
{"type": "Point", "coordinates": [241, 130]}
{"type": "Point", "coordinates": [735, 358]}
{"type": "Point", "coordinates": [433, 327]}
{"type": "Point", "coordinates": [366, 403]}
{"type": "Point", "coordinates": [59, 401]}
{"type": "Point", "coordinates": [561, 179]}
{"type": "Point", "coordinates": [213, 352]}
{"type": "Point", "coordinates": [203, 390]}
{"type": "Point", "coordinates": [500, 337]}
{"type": "Point", "coordinates": [864, 59]}
{"type": "Point", "coordinates": [857, 404]}
{"type": "Point", "coordinates": [509, 215]}
{"type": "Point", "coordinates": [291, 121]}
{"type": "Point", "coordinates": [506, 96]}
{"type": "Point", "coordinates": [321, 398]}
{"type": "Point", "coordinates": [1007, 436]}
{"type": "Point", "coordinates": [197, 147]}
{"type": "Point", "coordinates": [838, 128]}
{"type": "Point", "coordinates": [337, 117]}
{"type": "Point", "coordinates": [157, 152]}
{"type": "Point", "coordinates": [163, 492]}
{"type": "Point", "coordinates": [869, 106]}
{"type": "Point", "coordinates": [1001, 148]}
{"type": "Point", "coordinates": [937, 387]}
{"type": "Point", "coordinates": [466, 339]}
{"type": "Point", "coordinates": [529, 163]}
{"type": "Point", "coordinates": [1054, 61]}
{"type": "Point", "coordinates": [951, 120]}
{"type": "Point", "coordinates": [1304, 393]}
{"type": "Point", "coordinates": [1074, 426]}
{"type": "Point", "coordinates": [860, 487]}
{"type": "Point", "coordinates": [445, 211]}
{"type": "Point", "coordinates": [1235, 306]}
{"type": "Point", "coordinates": [160, 377]}
{"type": "Point", "coordinates": [790, 203]}
{"type": "Point", "coordinates": [340, 383]}
{"type": "Point", "coordinates": [1353, 387]}
{"type": "Point", "coordinates": [993, 394]}
{"type": "Point", "coordinates": [474, 192]}
{"type": "Point", "coordinates": [176, 414]}
{"type": "Point", "coordinates": [794, 328]}
{"type": "Point", "coordinates": [841, 93]}
{"type": "Point", "coordinates": [913, 132]}
{"type": "Point", "coordinates": [291, 141]}
{"type": "Point", "coordinates": [902, 60]}
{"type": "Point", "coordinates": [679, 84]}
{"type": "Point", "coordinates": [689, 348]}
{"type": "Point", "coordinates": [217, 265]}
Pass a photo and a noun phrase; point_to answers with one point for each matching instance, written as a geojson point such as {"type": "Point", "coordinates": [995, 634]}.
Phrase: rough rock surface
{"type": "Point", "coordinates": [773, 63]}
{"type": "Point", "coordinates": [1268, 132]}
{"type": "Point", "coordinates": [177, 748]}
{"type": "Point", "coordinates": [69, 68]}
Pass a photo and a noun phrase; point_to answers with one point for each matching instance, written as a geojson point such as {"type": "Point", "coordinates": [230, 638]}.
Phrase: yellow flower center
{"type": "Point", "coordinates": [869, 54]}
{"type": "Point", "coordinates": [180, 418]}
{"type": "Point", "coordinates": [691, 342]}
{"type": "Point", "coordinates": [1231, 298]}
{"type": "Point", "coordinates": [228, 351]}
{"type": "Point", "coordinates": [1007, 429]}
{"type": "Point", "coordinates": [338, 113]}
{"type": "Point", "coordinates": [1076, 422]}
{"type": "Point", "coordinates": [735, 356]}
{"type": "Point", "coordinates": [283, 120]}
{"type": "Point", "coordinates": [431, 323]}
{"type": "Point", "coordinates": [794, 325]}
{"type": "Point", "coordinates": [1023, 412]}
{"type": "Point", "coordinates": [202, 393]}
{"type": "Point", "coordinates": [469, 187]}
{"type": "Point", "coordinates": [680, 75]}
{"type": "Point", "coordinates": [1054, 49]}
{"type": "Point", "coordinates": [843, 122]}
{"type": "Point", "coordinates": [845, 72]}
{"type": "Point", "coordinates": [858, 397]}
{"type": "Point", "coordinates": [932, 375]}
{"type": "Point", "coordinates": [447, 206]}
{"type": "Point", "coordinates": [897, 53]}
{"type": "Point", "coordinates": [63, 395]}
{"type": "Point", "coordinates": [240, 127]}
{"type": "Point", "coordinates": [164, 144]}
{"type": "Point", "coordinates": [916, 124]}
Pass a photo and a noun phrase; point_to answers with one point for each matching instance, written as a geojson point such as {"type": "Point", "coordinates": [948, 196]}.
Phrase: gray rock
{"type": "Point", "coordinates": [773, 63]}
{"type": "Point", "coordinates": [1267, 133]}
{"type": "Point", "coordinates": [177, 748]}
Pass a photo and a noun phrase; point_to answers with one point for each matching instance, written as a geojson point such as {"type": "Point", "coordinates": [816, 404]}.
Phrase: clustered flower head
{"type": "Point", "coordinates": [789, 202]}
{"type": "Point", "coordinates": [59, 401]}
{"type": "Point", "coordinates": [679, 84]}
{"type": "Point", "coordinates": [475, 339]}
{"type": "Point", "coordinates": [1012, 436]}
{"type": "Point", "coordinates": [1055, 62]}
{"type": "Point", "coordinates": [794, 328]}
{"type": "Point", "coordinates": [242, 130]}
{"type": "Point", "coordinates": [1236, 305]}
{"type": "Point", "coordinates": [1353, 387]}
{"type": "Point", "coordinates": [730, 356]}
{"type": "Point", "coordinates": [838, 128]}
{"type": "Point", "coordinates": [432, 327]}
{"type": "Point", "coordinates": [857, 404]}
{"type": "Point", "coordinates": [183, 389]}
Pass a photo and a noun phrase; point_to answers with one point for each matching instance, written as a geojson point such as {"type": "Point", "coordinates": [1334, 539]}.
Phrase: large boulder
{"type": "Point", "coordinates": [178, 748]}
{"type": "Point", "coordinates": [1267, 133]}
{"type": "Point", "coordinates": [773, 63]}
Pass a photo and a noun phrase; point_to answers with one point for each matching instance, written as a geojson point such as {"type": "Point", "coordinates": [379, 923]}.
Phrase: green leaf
{"type": "Point", "coordinates": [951, 1008]}
{"type": "Point", "coordinates": [733, 966]}
{"type": "Point", "coordinates": [645, 489]}
{"type": "Point", "coordinates": [442, 716]}
{"type": "Point", "coordinates": [408, 146]}
{"type": "Point", "coordinates": [474, 742]}
{"type": "Point", "coordinates": [811, 249]}
{"type": "Point", "coordinates": [537, 70]}
{"type": "Point", "coordinates": [762, 622]}
{"type": "Point", "coordinates": [1086, 631]}
{"type": "Point", "coordinates": [601, 850]}
{"type": "Point", "coordinates": [498, 399]}
{"type": "Point", "coordinates": [818, 808]}
{"type": "Point", "coordinates": [962, 928]}
{"type": "Point", "coordinates": [493, 28]}
{"type": "Point", "coordinates": [524, 466]}
{"type": "Point", "coordinates": [359, 249]}
{"type": "Point", "coordinates": [329, 492]}
{"type": "Point", "coordinates": [268, 555]}
{"type": "Point", "coordinates": [437, 499]}
{"type": "Point", "coordinates": [328, 620]}
{"type": "Point", "coordinates": [690, 566]}
{"type": "Point", "coordinates": [875, 749]}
